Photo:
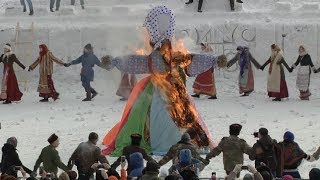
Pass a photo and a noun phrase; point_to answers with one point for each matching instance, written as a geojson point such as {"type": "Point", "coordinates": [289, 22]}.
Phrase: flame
{"type": "Point", "coordinates": [172, 87]}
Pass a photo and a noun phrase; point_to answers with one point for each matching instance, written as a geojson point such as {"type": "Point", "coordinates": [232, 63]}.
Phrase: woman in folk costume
{"type": "Point", "coordinates": [304, 71]}
{"type": "Point", "coordinates": [128, 81]}
{"type": "Point", "coordinates": [277, 86]}
{"type": "Point", "coordinates": [246, 79]}
{"type": "Point", "coordinates": [158, 108]}
{"type": "Point", "coordinates": [204, 82]}
{"type": "Point", "coordinates": [9, 87]}
{"type": "Point", "coordinates": [45, 60]}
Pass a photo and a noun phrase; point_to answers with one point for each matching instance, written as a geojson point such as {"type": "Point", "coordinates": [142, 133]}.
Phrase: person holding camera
{"type": "Point", "coordinates": [50, 158]}
{"type": "Point", "coordinates": [239, 167]}
{"type": "Point", "coordinates": [86, 155]}
{"type": "Point", "coordinates": [265, 151]}
{"type": "Point", "coordinates": [130, 149]}
{"type": "Point", "coordinates": [10, 158]}
{"type": "Point", "coordinates": [232, 148]}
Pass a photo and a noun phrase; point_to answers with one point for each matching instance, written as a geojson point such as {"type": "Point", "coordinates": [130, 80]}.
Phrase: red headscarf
{"type": "Point", "coordinates": [43, 50]}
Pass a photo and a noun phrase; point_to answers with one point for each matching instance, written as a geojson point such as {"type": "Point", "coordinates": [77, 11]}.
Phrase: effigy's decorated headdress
{"type": "Point", "coordinates": [160, 23]}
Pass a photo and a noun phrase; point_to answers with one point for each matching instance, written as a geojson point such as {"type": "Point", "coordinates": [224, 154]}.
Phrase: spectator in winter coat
{"type": "Point", "coordinates": [136, 164]}
{"type": "Point", "coordinates": [23, 3]}
{"type": "Point", "coordinates": [314, 174]}
{"type": "Point", "coordinates": [134, 147]}
{"type": "Point", "coordinates": [151, 171]}
{"type": "Point", "coordinates": [81, 3]}
{"type": "Point", "coordinates": [87, 154]}
{"type": "Point", "coordinates": [50, 157]}
{"type": "Point", "coordinates": [187, 163]}
{"type": "Point", "coordinates": [232, 148]}
{"type": "Point", "coordinates": [184, 143]}
{"type": "Point", "coordinates": [88, 60]}
{"type": "Point", "coordinates": [264, 151]}
{"type": "Point", "coordinates": [292, 155]}
{"type": "Point", "coordinates": [237, 169]}
{"type": "Point", "coordinates": [10, 158]}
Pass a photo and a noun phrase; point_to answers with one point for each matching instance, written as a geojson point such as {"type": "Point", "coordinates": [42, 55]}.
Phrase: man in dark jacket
{"type": "Point", "coordinates": [184, 143]}
{"type": "Point", "coordinates": [232, 148]}
{"type": "Point", "coordinates": [292, 155]}
{"type": "Point", "coordinates": [265, 151]}
{"type": "Point", "coordinates": [10, 158]}
{"type": "Point", "coordinates": [50, 158]}
{"type": "Point", "coordinates": [88, 60]}
{"type": "Point", "coordinates": [86, 154]}
{"type": "Point", "coordinates": [134, 147]}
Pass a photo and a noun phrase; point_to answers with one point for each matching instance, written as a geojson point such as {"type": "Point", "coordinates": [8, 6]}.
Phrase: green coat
{"type": "Point", "coordinates": [51, 160]}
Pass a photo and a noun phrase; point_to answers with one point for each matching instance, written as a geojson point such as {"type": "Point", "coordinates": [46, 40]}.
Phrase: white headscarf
{"type": "Point", "coordinates": [160, 23]}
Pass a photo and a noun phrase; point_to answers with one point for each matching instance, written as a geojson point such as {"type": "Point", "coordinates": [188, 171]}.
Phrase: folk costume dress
{"type": "Point", "coordinates": [158, 108]}
{"type": "Point", "coordinates": [45, 60]}
{"type": "Point", "coordinates": [246, 78]}
{"type": "Point", "coordinates": [128, 81]}
{"type": "Point", "coordinates": [9, 87]}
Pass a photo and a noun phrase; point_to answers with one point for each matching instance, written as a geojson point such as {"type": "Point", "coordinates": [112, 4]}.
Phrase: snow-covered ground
{"type": "Point", "coordinates": [112, 27]}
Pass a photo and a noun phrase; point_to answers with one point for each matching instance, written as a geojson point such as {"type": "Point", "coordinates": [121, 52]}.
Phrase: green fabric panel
{"type": "Point", "coordinates": [136, 122]}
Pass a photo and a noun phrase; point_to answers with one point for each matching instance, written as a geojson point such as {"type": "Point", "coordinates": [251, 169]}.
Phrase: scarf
{"type": "Point", "coordinates": [43, 50]}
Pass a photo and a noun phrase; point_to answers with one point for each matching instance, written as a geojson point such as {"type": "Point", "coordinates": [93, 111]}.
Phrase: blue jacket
{"type": "Point", "coordinates": [136, 164]}
{"type": "Point", "coordinates": [88, 60]}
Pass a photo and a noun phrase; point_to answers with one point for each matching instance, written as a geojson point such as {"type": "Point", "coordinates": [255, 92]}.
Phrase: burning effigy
{"type": "Point", "coordinates": [159, 107]}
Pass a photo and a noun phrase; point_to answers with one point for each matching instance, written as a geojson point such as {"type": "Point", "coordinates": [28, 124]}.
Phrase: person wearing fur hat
{"type": "Point", "coordinates": [184, 143]}
{"type": "Point", "coordinates": [45, 60]}
{"type": "Point", "coordinates": [245, 60]}
{"type": "Point", "coordinates": [232, 148]}
{"type": "Point", "coordinates": [50, 158]}
{"type": "Point", "coordinates": [277, 85]}
{"type": "Point", "coordinates": [151, 171]}
{"type": "Point", "coordinates": [292, 155]}
{"type": "Point", "coordinates": [10, 157]}
{"type": "Point", "coordinates": [9, 87]}
{"type": "Point", "coordinates": [304, 71]}
{"type": "Point", "coordinates": [23, 3]}
{"type": "Point", "coordinates": [88, 60]}
{"type": "Point", "coordinates": [132, 148]}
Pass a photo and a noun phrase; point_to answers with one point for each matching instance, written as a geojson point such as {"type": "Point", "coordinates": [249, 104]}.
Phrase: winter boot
{"type": "Point", "coordinates": [123, 99]}
{"type": "Point", "coordinates": [51, 9]}
{"type": "Point", "coordinates": [189, 2]}
{"type": "Point", "coordinates": [31, 13]}
{"type": "Point", "coordinates": [232, 5]}
{"type": "Point", "coordinates": [196, 95]}
{"type": "Point", "coordinates": [239, 1]}
{"type": "Point", "coordinates": [200, 6]}
{"type": "Point", "coordinates": [24, 9]}
{"type": "Point", "coordinates": [57, 9]}
{"type": "Point", "coordinates": [276, 99]}
{"type": "Point", "coordinates": [82, 6]}
{"type": "Point", "coordinates": [213, 97]}
{"type": "Point", "coordinates": [7, 102]}
{"type": "Point", "coordinates": [94, 93]}
{"type": "Point", "coordinates": [44, 100]}
{"type": "Point", "coordinates": [88, 98]}
{"type": "Point", "coordinates": [245, 94]}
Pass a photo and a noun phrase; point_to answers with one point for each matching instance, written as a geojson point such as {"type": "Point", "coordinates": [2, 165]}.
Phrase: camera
{"type": "Point", "coordinates": [255, 134]}
{"type": "Point", "coordinates": [244, 167]}
{"type": "Point", "coordinates": [123, 159]}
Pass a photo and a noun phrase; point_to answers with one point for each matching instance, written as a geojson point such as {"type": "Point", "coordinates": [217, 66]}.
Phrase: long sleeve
{"type": "Point", "coordinates": [252, 155]}
{"type": "Point", "coordinates": [57, 161]}
{"type": "Point", "coordinates": [35, 64]}
{"type": "Point", "coordinates": [131, 64]}
{"type": "Point", "coordinates": [19, 163]}
{"type": "Point", "coordinates": [266, 63]}
{"type": "Point", "coordinates": [201, 63]}
{"type": "Point", "coordinates": [73, 158]}
{"type": "Point", "coordinates": [97, 61]}
{"type": "Point", "coordinates": [233, 60]}
{"type": "Point", "coordinates": [316, 155]}
{"type": "Point", "coordinates": [285, 64]}
{"type": "Point", "coordinates": [38, 162]}
{"type": "Point", "coordinates": [247, 149]}
{"type": "Point", "coordinates": [310, 60]}
{"type": "Point", "coordinates": [77, 61]}
{"type": "Point", "coordinates": [297, 62]}
{"type": "Point", "coordinates": [166, 158]}
{"type": "Point", "coordinates": [254, 61]}
{"type": "Point", "coordinates": [54, 59]}
{"type": "Point", "coordinates": [147, 157]}
{"type": "Point", "coordinates": [17, 61]}
{"type": "Point", "coordinates": [216, 151]}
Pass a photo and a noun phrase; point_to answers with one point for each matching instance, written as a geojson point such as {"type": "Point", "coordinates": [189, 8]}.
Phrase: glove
{"type": "Point", "coordinates": [261, 68]}
{"type": "Point", "coordinates": [252, 169]}
{"type": "Point", "coordinates": [291, 69]}
{"type": "Point", "coordinates": [29, 69]}
{"type": "Point", "coordinates": [237, 169]}
{"type": "Point", "coordinates": [67, 64]}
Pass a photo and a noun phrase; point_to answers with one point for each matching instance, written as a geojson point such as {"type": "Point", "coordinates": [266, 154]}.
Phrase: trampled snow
{"type": "Point", "coordinates": [113, 27]}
